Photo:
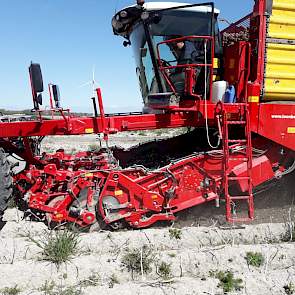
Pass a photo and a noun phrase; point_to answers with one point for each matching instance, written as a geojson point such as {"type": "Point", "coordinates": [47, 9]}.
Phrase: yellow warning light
{"type": "Point", "coordinates": [89, 130]}
{"type": "Point", "coordinates": [118, 193]}
{"type": "Point", "coordinates": [59, 216]}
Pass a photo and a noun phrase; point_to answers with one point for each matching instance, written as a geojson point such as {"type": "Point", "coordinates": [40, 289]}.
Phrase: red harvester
{"type": "Point", "coordinates": [237, 85]}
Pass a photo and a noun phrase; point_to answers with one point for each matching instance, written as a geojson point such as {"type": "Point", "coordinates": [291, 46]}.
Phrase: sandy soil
{"type": "Point", "coordinates": [199, 252]}
{"type": "Point", "coordinates": [206, 246]}
{"type": "Point", "coordinates": [85, 142]}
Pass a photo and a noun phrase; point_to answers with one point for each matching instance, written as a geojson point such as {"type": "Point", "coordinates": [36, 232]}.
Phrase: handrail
{"type": "Point", "coordinates": [163, 69]}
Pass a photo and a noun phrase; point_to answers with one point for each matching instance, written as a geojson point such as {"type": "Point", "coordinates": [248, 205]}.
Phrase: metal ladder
{"type": "Point", "coordinates": [241, 118]}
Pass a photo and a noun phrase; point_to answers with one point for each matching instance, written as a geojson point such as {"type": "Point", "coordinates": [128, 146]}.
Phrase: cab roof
{"type": "Point", "coordinates": [124, 20]}
{"type": "Point", "coordinates": [163, 5]}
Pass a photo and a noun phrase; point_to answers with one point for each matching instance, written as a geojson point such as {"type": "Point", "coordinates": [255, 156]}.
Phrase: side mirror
{"type": "Point", "coordinates": [56, 95]}
{"type": "Point", "coordinates": [39, 99]}
{"type": "Point", "coordinates": [36, 77]}
{"type": "Point", "coordinates": [36, 84]}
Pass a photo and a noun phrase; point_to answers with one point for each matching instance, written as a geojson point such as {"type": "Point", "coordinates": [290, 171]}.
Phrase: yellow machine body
{"type": "Point", "coordinates": [280, 52]}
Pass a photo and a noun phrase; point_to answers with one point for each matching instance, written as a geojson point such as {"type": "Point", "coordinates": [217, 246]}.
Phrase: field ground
{"type": "Point", "coordinates": [198, 254]}
{"type": "Point", "coordinates": [193, 255]}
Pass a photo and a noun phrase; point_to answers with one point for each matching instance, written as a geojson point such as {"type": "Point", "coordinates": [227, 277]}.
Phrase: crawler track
{"type": "Point", "coordinates": [5, 184]}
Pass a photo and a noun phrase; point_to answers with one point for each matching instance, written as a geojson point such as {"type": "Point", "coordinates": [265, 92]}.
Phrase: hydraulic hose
{"type": "Point", "coordinates": [205, 103]}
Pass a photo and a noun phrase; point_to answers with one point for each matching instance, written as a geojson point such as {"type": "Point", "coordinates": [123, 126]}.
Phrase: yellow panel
{"type": "Point", "coordinates": [253, 99]}
{"type": "Point", "coordinates": [282, 21]}
{"type": "Point", "coordinates": [216, 64]}
{"type": "Point", "coordinates": [89, 130]}
{"type": "Point", "coordinates": [291, 130]}
{"type": "Point", "coordinates": [280, 72]}
{"type": "Point", "coordinates": [283, 5]}
{"type": "Point", "coordinates": [118, 192]}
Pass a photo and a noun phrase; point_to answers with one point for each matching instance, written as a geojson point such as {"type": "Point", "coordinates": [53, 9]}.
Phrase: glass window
{"type": "Point", "coordinates": [178, 22]}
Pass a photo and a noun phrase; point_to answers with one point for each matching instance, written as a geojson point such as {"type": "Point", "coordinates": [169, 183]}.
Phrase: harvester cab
{"type": "Point", "coordinates": [174, 45]}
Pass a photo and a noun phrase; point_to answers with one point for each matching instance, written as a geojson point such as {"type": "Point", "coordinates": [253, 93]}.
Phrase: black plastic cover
{"type": "Point", "coordinates": [36, 77]}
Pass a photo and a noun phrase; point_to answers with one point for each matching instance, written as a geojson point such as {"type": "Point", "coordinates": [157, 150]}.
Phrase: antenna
{"type": "Point", "coordinates": [116, 6]}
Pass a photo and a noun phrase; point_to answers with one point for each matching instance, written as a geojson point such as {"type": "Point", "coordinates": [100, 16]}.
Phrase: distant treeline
{"type": "Point", "coordinates": [29, 112]}
{"type": "Point", "coordinates": [8, 112]}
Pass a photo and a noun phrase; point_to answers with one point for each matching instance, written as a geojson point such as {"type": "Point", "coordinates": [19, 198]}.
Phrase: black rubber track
{"type": "Point", "coordinates": [5, 183]}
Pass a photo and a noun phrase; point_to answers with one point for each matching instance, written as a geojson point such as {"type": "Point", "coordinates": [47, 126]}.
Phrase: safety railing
{"type": "Point", "coordinates": [189, 68]}
{"type": "Point", "coordinates": [238, 31]}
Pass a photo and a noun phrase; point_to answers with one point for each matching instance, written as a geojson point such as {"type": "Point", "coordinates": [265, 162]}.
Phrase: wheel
{"type": "Point", "coordinates": [106, 202]}
{"type": "Point", "coordinates": [80, 203]}
{"type": "Point", "coordinates": [5, 184]}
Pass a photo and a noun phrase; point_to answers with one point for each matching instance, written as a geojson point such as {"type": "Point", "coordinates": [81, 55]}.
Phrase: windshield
{"type": "Point", "coordinates": [172, 22]}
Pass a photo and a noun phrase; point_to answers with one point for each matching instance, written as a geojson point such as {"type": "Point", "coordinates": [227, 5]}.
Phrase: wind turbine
{"type": "Point", "coordinates": [92, 82]}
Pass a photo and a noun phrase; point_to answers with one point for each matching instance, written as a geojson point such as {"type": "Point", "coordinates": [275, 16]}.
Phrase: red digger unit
{"type": "Point", "coordinates": [233, 88]}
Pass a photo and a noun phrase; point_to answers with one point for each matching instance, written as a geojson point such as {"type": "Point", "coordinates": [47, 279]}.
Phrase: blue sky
{"type": "Point", "coordinates": [68, 37]}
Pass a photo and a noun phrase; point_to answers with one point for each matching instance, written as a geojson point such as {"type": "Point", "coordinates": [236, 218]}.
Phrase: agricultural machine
{"type": "Point", "coordinates": [234, 88]}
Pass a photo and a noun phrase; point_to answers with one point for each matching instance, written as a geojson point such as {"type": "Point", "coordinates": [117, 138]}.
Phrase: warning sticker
{"type": "Point", "coordinates": [283, 116]}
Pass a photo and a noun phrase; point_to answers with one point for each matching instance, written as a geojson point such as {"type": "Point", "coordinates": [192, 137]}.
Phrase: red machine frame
{"type": "Point", "coordinates": [140, 197]}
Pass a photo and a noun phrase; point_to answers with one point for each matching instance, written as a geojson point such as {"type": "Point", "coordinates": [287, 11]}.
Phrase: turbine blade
{"type": "Point", "coordinates": [85, 84]}
{"type": "Point", "coordinates": [93, 72]}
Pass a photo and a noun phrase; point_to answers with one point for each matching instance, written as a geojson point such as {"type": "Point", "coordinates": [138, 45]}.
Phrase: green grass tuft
{"type": "Point", "coordinates": [58, 247]}
{"type": "Point", "coordinates": [138, 260]}
{"type": "Point", "coordinates": [289, 289]}
{"type": "Point", "coordinates": [254, 258]}
{"type": "Point", "coordinates": [227, 281]}
{"type": "Point", "coordinates": [175, 233]}
{"type": "Point", "coordinates": [50, 288]}
{"type": "Point", "coordinates": [10, 290]}
{"type": "Point", "coordinates": [164, 270]}
{"type": "Point", "coordinates": [47, 288]}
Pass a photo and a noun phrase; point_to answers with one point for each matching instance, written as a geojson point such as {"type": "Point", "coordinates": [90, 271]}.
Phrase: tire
{"type": "Point", "coordinates": [5, 183]}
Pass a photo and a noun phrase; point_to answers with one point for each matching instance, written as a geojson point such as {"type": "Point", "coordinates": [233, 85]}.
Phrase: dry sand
{"type": "Point", "coordinates": [200, 251]}
{"type": "Point", "coordinates": [203, 248]}
{"type": "Point", "coordinates": [85, 142]}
